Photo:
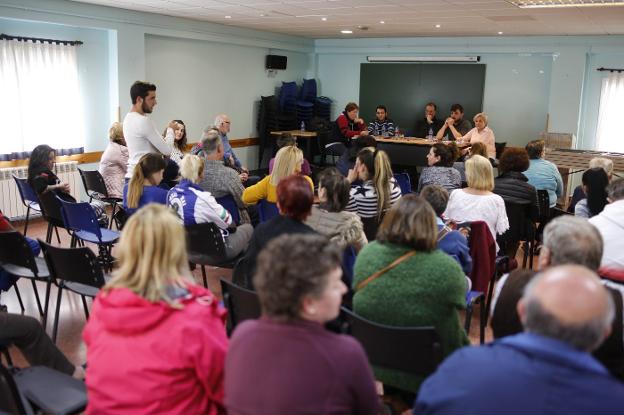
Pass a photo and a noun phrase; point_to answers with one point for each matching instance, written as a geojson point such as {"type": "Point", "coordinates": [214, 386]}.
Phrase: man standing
{"type": "Point", "coordinates": [382, 125]}
{"type": "Point", "coordinates": [455, 126]}
{"type": "Point", "coordinates": [140, 133]}
{"type": "Point", "coordinates": [566, 313]}
{"type": "Point", "coordinates": [428, 126]}
{"type": "Point", "coordinates": [223, 123]}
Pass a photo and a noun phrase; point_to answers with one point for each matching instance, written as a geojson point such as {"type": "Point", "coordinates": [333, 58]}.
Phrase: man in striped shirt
{"type": "Point", "coordinates": [382, 125]}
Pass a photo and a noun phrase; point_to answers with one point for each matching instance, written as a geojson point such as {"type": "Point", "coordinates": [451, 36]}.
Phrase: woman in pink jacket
{"type": "Point", "coordinates": [114, 161]}
{"type": "Point", "coordinates": [156, 342]}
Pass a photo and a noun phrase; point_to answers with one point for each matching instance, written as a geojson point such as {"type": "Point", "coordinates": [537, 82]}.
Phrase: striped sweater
{"type": "Point", "coordinates": [363, 198]}
{"type": "Point", "coordinates": [384, 128]}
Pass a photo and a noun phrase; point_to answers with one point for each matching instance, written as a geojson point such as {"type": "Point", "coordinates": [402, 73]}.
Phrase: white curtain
{"type": "Point", "coordinates": [39, 96]}
{"type": "Point", "coordinates": [609, 135]}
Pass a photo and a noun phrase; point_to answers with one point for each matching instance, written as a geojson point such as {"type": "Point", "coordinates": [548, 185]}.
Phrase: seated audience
{"type": "Point", "coordinates": [288, 349]}
{"type": "Point", "coordinates": [294, 201]}
{"type": "Point", "coordinates": [429, 125]}
{"type": "Point", "coordinates": [451, 242]}
{"type": "Point", "coordinates": [329, 216]}
{"type": "Point", "coordinates": [566, 314]}
{"type": "Point", "coordinates": [604, 163]}
{"type": "Point", "coordinates": [440, 172]}
{"type": "Point", "coordinates": [481, 133]}
{"type": "Point", "coordinates": [288, 161]}
{"type": "Point", "coordinates": [143, 186]}
{"type": "Point", "coordinates": [348, 125]}
{"type": "Point", "coordinates": [153, 329]}
{"type": "Point", "coordinates": [610, 224]}
{"type": "Point", "coordinates": [424, 287]}
{"type": "Point", "coordinates": [543, 174]}
{"type": "Point", "coordinates": [177, 141]}
{"type": "Point", "coordinates": [195, 205]}
{"type": "Point", "coordinates": [284, 140]}
{"type": "Point", "coordinates": [455, 125]}
{"type": "Point", "coordinates": [218, 179]}
{"type": "Point", "coordinates": [477, 202]}
{"type": "Point", "coordinates": [31, 339]}
{"type": "Point", "coordinates": [595, 183]}
{"type": "Point", "coordinates": [475, 149]}
{"type": "Point", "coordinates": [378, 191]}
{"type": "Point", "coordinates": [347, 160]}
{"type": "Point", "coordinates": [114, 161]}
{"type": "Point", "coordinates": [223, 124]}
{"type": "Point", "coordinates": [7, 280]}
{"type": "Point", "coordinates": [382, 126]}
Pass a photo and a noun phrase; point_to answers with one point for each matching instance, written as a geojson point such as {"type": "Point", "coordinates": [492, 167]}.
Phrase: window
{"type": "Point", "coordinates": [608, 133]}
{"type": "Point", "coordinates": [39, 96]}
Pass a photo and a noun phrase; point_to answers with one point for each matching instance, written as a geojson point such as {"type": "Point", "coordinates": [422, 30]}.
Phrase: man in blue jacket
{"type": "Point", "coordinates": [566, 313]}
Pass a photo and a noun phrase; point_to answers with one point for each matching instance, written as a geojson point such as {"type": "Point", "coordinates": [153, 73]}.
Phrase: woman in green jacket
{"type": "Point", "coordinates": [425, 289]}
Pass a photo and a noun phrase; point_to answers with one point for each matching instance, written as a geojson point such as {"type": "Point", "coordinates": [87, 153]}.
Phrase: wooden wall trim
{"type": "Point", "coordinates": [95, 156]}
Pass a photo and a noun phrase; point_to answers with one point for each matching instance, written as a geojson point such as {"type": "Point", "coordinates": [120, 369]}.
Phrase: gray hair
{"type": "Point", "coordinates": [219, 120]}
{"type": "Point", "coordinates": [602, 162]}
{"type": "Point", "coordinates": [437, 196]}
{"type": "Point", "coordinates": [573, 240]}
{"type": "Point", "coordinates": [210, 140]}
{"type": "Point", "coordinates": [615, 190]}
{"type": "Point", "coordinates": [587, 336]}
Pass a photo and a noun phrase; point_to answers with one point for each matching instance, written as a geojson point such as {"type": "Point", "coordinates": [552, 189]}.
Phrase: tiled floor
{"type": "Point", "coordinates": [72, 317]}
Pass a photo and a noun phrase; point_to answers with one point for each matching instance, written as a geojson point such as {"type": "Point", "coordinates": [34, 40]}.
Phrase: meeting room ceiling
{"type": "Point", "coordinates": [389, 18]}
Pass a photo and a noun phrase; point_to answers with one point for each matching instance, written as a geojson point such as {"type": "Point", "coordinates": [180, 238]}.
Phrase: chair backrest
{"type": "Point", "coordinates": [80, 217]}
{"type": "Point", "coordinates": [348, 262]}
{"type": "Point", "coordinates": [267, 210]}
{"type": "Point", "coordinates": [51, 208]}
{"type": "Point", "coordinates": [73, 264]}
{"type": "Point", "coordinates": [404, 182]}
{"type": "Point", "coordinates": [229, 204]}
{"type": "Point", "coordinates": [206, 239]}
{"type": "Point", "coordinates": [370, 227]}
{"type": "Point", "coordinates": [500, 147]}
{"type": "Point", "coordinates": [242, 304]}
{"type": "Point", "coordinates": [543, 204]}
{"type": "Point", "coordinates": [414, 350]}
{"type": "Point", "coordinates": [10, 398]}
{"type": "Point", "coordinates": [93, 182]}
{"type": "Point", "coordinates": [27, 193]}
{"type": "Point", "coordinates": [520, 223]}
{"type": "Point", "coordinates": [14, 249]}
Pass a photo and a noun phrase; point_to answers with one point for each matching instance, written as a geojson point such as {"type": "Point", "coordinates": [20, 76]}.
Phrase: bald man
{"type": "Point", "coordinates": [547, 369]}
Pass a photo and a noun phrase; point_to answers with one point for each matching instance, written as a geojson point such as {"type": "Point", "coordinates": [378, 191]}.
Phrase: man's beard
{"type": "Point", "coordinates": [145, 108]}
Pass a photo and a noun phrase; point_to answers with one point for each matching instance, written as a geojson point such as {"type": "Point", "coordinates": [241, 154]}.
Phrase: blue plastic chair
{"type": "Point", "coordinates": [288, 97]}
{"type": "Point", "coordinates": [82, 223]}
{"type": "Point", "coordinates": [29, 198]}
{"type": "Point", "coordinates": [267, 210]}
{"type": "Point", "coordinates": [404, 182]}
{"type": "Point", "coordinates": [229, 204]}
{"type": "Point", "coordinates": [348, 262]}
{"type": "Point", "coordinates": [308, 90]}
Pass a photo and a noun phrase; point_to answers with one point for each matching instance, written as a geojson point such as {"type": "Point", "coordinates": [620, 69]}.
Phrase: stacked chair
{"type": "Point", "coordinates": [271, 118]}
{"type": "Point", "coordinates": [322, 107]}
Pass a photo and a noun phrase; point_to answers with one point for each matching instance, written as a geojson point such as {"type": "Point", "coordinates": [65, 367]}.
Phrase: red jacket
{"type": "Point", "coordinates": [149, 358]}
{"type": "Point", "coordinates": [348, 128]}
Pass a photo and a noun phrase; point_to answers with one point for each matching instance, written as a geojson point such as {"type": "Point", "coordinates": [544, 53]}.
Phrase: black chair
{"type": "Point", "coordinates": [29, 198]}
{"type": "Point", "coordinates": [75, 269]}
{"type": "Point", "coordinates": [17, 259]}
{"type": "Point", "coordinates": [96, 189]}
{"type": "Point", "coordinates": [242, 304]}
{"type": "Point", "coordinates": [43, 390]}
{"type": "Point", "coordinates": [370, 227]}
{"type": "Point", "coordinates": [12, 401]}
{"type": "Point", "coordinates": [500, 147]}
{"type": "Point", "coordinates": [206, 247]}
{"type": "Point", "coordinates": [414, 350]}
{"type": "Point", "coordinates": [51, 211]}
{"type": "Point", "coordinates": [521, 229]}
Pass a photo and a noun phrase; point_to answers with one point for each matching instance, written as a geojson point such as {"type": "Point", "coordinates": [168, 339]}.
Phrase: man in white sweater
{"type": "Point", "coordinates": [610, 224]}
{"type": "Point", "coordinates": [140, 133]}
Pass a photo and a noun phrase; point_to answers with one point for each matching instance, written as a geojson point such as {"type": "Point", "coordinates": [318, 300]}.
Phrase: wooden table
{"type": "Point", "coordinates": [408, 151]}
{"type": "Point", "coordinates": [310, 136]}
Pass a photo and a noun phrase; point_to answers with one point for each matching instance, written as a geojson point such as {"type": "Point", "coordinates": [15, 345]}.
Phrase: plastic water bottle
{"type": "Point", "coordinates": [302, 126]}
{"type": "Point", "coordinates": [383, 130]}
{"type": "Point", "coordinates": [430, 134]}
{"type": "Point", "coordinates": [396, 130]}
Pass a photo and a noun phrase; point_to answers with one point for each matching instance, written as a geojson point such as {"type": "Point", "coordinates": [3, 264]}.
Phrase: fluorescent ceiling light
{"type": "Point", "coordinates": [346, 32]}
{"type": "Point", "coordinates": [423, 58]}
{"type": "Point", "coordinates": [542, 4]}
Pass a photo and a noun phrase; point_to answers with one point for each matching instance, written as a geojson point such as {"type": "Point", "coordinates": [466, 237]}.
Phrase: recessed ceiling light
{"type": "Point", "coordinates": [346, 32]}
{"type": "Point", "coordinates": [228, 17]}
{"type": "Point", "coordinates": [438, 26]}
{"type": "Point", "coordinates": [533, 4]}
{"type": "Point", "coordinates": [500, 33]}
{"type": "Point", "coordinates": [262, 14]}
{"type": "Point", "coordinates": [324, 19]}
{"type": "Point", "coordinates": [382, 22]}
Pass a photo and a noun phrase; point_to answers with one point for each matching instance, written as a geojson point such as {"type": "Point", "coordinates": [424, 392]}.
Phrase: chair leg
{"type": "Point", "coordinates": [19, 297]}
{"type": "Point", "coordinates": [58, 238]}
{"type": "Point", "coordinates": [204, 276]}
{"type": "Point", "coordinates": [468, 318]}
{"type": "Point", "coordinates": [84, 305]}
{"type": "Point", "coordinates": [57, 313]}
{"type": "Point", "coordinates": [49, 233]}
{"type": "Point", "coordinates": [47, 304]}
{"type": "Point", "coordinates": [483, 321]}
{"type": "Point", "coordinates": [110, 224]}
{"type": "Point", "coordinates": [34, 284]}
{"type": "Point", "coordinates": [7, 356]}
{"type": "Point", "coordinates": [26, 221]}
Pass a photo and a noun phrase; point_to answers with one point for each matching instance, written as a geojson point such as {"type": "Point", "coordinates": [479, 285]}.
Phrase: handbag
{"type": "Point", "coordinates": [382, 271]}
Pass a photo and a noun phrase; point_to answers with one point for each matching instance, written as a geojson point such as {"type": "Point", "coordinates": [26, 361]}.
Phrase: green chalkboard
{"type": "Point", "coordinates": [405, 88]}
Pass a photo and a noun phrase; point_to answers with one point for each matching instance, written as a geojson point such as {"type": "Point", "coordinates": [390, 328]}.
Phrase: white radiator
{"type": "Point", "coordinates": [10, 200]}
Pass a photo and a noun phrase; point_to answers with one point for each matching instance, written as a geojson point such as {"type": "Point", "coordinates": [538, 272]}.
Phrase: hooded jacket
{"type": "Point", "coordinates": [150, 358]}
{"type": "Point", "coordinates": [344, 228]}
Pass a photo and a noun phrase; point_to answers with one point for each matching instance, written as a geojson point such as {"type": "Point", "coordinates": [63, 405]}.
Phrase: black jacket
{"type": "Point", "coordinates": [513, 187]}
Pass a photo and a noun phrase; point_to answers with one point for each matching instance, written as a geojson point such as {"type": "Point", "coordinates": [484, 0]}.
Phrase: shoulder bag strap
{"type": "Point", "coordinates": [382, 271]}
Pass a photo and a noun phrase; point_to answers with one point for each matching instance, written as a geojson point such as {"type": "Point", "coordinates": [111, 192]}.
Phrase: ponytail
{"type": "Point", "coordinates": [380, 172]}
{"type": "Point", "coordinates": [147, 165]}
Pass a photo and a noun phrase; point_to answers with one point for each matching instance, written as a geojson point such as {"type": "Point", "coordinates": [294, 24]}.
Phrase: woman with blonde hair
{"type": "Point", "coordinates": [477, 202]}
{"type": "Point", "coordinates": [194, 205]}
{"type": "Point", "coordinates": [287, 162]}
{"type": "Point", "coordinates": [152, 329]}
{"type": "Point", "coordinates": [143, 185]}
{"type": "Point", "coordinates": [114, 161]}
{"type": "Point", "coordinates": [481, 133]}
